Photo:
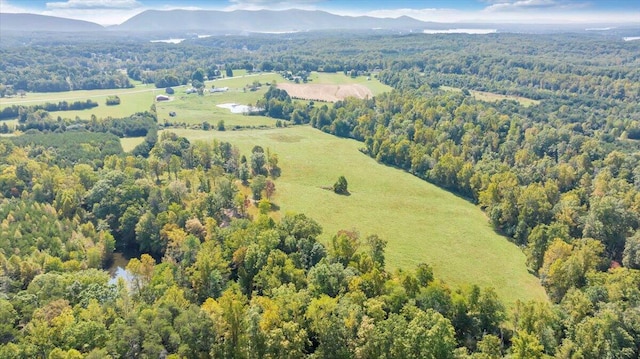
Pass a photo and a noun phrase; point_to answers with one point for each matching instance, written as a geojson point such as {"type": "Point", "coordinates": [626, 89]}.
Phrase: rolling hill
{"type": "Point", "coordinates": [36, 23]}
{"type": "Point", "coordinates": [421, 222]}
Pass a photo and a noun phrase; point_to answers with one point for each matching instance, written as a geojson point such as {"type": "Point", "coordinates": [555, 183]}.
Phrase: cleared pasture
{"type": "Point", "coordinates": [129, 143]}
{"type": "Point", "coordinates": [193, 109]}
{"type": "Point", "coordinates": [325, 92]}
{"type": "Point", "coordinates": [132, 100]}
{"type": "Point", "coordinates": [494, 97]}
{"type": "Point", "coordinates": [421, 222]}
{"type": "Point", "coordinates": [372, 83]}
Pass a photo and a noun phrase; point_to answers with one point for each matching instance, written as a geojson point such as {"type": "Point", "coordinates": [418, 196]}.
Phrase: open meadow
{"type": "Point", "coordinates": [421, 222]}
{"type": "Point", "coordinates": [372, 83]}
{"type": "Point", "coordinates": [139, 98]}
{"type": "Point", "coordinates": [191, 109]}
{"type": "Point", "coordinates": [494, 97]}
{"type": "Point", "coordinates": [332, 87]}
{"type": "Point", "coordinates": [325, 92]}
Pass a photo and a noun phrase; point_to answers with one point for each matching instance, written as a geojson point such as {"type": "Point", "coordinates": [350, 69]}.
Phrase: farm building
{"type": "Point", "coordinates": [219, 89]}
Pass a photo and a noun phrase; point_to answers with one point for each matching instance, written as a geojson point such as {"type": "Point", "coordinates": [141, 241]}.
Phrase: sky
{"type": "Point", "coordinates": [111, 12]}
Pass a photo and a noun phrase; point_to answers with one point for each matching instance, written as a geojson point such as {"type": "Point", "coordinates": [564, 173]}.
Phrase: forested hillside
{"type": "Point", "coordinates": [214, 273]}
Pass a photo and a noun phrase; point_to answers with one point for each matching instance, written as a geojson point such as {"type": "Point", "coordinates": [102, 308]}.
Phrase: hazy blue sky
{"type": "Point", "coordinates": [515, 11]}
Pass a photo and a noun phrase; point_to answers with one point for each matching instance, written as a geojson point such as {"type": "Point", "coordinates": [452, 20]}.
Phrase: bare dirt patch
{"type": "Point", "coordinates": [325, 92]}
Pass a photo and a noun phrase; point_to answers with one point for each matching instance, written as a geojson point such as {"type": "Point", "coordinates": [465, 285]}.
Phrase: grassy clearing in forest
{"type": "Point", "coordinates": [494, 97]}
{"type": "Point", "coordinates": [129, 143]}
{"type": "Point", "coordinates": [421, 222]}
{"type": "Point", "coordinates": [371, 83]}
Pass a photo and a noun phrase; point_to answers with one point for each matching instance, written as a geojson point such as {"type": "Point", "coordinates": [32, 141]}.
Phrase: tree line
{"type": "Point", "coordinates": [20, 112]}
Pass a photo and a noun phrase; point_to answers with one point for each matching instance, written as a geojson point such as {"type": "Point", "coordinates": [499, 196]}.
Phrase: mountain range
{"type": "Point", "coordinates": [260, 21]}
{"type": "Point", "coordinates": [212, 21]}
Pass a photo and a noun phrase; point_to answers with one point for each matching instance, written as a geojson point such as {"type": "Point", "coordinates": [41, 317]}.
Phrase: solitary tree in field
{"type": "Point", "coordinates": [340, 187]}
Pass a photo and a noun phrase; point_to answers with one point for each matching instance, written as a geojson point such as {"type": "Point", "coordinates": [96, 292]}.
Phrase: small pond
{"type": "Point", "coordinates": [117, 269]}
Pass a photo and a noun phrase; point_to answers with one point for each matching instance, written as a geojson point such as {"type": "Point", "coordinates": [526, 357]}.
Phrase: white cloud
{"type": "Point", "coordinates": [103, 12]}
{"type": "Point", "coordinates": [271, 2]}
{"type": "Point", "coordinates": [533, 5]}
{"type": "Point", "coordinates": [94, 4]}
{"type": "Point", "coordinates": [5, 7]}
{"type": "Point", "coordinates": [522, 4]}
{"type": "Point", "coordinates": [102, 17]}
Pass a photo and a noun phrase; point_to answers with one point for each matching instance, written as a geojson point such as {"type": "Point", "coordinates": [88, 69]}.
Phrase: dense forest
{"type": "Point", "coordinates": [212, 274]}
{"type": "Point", "coordinates": [536, 66]}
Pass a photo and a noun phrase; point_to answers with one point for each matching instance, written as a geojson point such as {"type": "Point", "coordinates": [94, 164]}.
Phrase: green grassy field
{"type": "Point", "coordinates": [494, 97]}
{"type": "Point", "coordinates": [142, 97]}
{"type": "Point", "coordinates": [132, 100]}
{"type": "Point", "coordinates": [129, 143]}
{"type": "Point", "coordinates": [190, 108]}
{"type": "Point", "coordinates": [421, 222]}
{"type": "Point", "coordinates": [372, 84]}
{"type": "Point", "coordinates": [194, 109]}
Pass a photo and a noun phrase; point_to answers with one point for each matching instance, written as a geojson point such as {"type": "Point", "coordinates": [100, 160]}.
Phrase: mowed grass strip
{"type": "Point", "coordinates": [421, 222]}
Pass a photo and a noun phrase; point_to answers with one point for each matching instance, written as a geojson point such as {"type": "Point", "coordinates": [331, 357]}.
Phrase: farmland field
{"type": "Point", "coordinates": [325, 92]}
{"type": "Point", "coordinates": [190, 108]}
{"type": "Point", "coordinates": [132, 100]}
{"type": "Point", "coordinates": [421, 222]}
{"type": "Point", "coordinates": [375, 86]}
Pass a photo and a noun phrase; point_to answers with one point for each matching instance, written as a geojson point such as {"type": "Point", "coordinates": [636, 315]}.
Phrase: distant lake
{"type": "Point", "coordinates": [169, 41]}
{"type": "Point", "coordinates": [461, 31]}
{"type": "Point", "coordinates": [235, 108]}
{"type": "Point", "coordinates": [631, 38]}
